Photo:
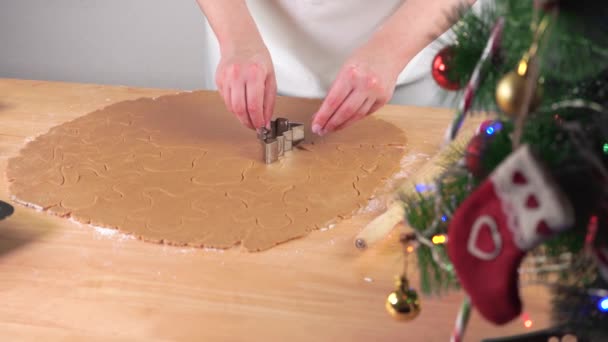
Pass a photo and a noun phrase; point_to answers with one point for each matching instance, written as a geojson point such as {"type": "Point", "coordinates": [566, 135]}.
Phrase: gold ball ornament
{"type": "Point", "coordinates": [403, 303]}
{"type": "Point", "coordinates": [510, 93]}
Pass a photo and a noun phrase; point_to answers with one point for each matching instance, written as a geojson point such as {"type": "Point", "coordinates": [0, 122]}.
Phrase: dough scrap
{"type": "Point", "coordinates": [179, 169]}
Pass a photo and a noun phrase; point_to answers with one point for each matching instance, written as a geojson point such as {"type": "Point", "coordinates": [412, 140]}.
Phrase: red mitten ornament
{"type": "Point", "coordinates": [515, 209]}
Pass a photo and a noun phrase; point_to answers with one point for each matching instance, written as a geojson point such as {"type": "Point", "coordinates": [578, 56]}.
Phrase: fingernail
{"type": "Point", "coordinates": [316, 129]}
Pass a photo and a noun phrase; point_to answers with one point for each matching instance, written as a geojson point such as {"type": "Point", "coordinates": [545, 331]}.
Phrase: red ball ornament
{"type": "Point", "coordinates": [473, 156]}
{"type": "Point", "coordinates": [477, 147]}
{"type": "Point", "coordinates": [441, 69]}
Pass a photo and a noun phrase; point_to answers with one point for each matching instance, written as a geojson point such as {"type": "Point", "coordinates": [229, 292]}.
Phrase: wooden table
{"type": "Point", "coordinates": [62, 281]}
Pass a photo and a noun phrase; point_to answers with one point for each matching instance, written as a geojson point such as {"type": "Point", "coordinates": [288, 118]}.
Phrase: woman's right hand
{"type": "Point", "coordinates": [246, 81]}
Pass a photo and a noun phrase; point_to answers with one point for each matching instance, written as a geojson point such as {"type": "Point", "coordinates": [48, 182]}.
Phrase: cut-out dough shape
{"type": "Point", "coordinates": [181, 170]}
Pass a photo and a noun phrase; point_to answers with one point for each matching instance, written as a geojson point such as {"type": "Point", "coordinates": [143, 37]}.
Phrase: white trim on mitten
{"type": "Point", "coordinates": [529, 197]}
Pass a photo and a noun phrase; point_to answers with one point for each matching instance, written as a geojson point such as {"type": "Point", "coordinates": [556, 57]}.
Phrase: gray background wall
{"type": "Point", "coordinates": [146, 43]}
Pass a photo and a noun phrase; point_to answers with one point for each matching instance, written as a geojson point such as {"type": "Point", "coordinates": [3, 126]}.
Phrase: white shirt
{"type": "Point", "coordinates": [309, 40]}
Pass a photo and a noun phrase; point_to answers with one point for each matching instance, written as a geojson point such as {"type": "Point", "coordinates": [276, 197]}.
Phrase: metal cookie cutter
{"type": "Point", "coordinates": [281, 137]}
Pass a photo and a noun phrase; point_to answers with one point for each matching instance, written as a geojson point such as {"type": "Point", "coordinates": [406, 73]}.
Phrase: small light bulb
{"type": "Point", "coordinates": [603, 304]}
{"type": "Point", "coordinates": [527, 321]}
{"type": "Point", "coordinates": [421, 188]}
{"type": "Point", "coordinates": [439, 239]}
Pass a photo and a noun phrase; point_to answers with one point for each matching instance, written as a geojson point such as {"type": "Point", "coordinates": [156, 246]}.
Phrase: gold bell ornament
{"type": "Point", "coordinates": [403, 304]}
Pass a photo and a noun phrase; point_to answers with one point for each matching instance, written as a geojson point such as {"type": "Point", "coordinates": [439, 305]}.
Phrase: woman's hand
{"type": "Point", "coordinates": [245, 75]}
{"type": "Point", "coordinates": [367, 80]}
{"type": "Point", "coordinates": [364, 84]}
{"type": "Point", "coordinates": [246, 81]}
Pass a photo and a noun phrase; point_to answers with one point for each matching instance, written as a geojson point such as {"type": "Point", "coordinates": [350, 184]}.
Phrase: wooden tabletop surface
{"type": "Point", "coordinates": [62, 281]}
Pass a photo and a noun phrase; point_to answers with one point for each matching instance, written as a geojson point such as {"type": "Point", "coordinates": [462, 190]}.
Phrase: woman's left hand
{"type": "Point", "coordinates": [365, 83]}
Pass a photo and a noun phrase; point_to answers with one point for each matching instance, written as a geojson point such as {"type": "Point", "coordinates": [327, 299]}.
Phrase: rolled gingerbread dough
{"type": "Point", "coordinates": [181, 170]}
